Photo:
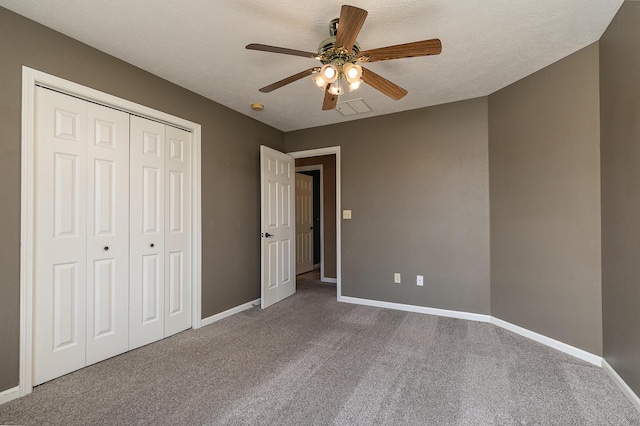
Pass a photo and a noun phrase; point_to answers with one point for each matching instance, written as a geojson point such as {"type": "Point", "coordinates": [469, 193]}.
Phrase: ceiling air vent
{"type": "Point", "coordinates": [353, 107]}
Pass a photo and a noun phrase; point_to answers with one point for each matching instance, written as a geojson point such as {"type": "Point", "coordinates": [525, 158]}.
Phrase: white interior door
{"type": "Point", "coordinates": [304, 223]}
{"type": "Point", "coordinates": [277, 215]}
{"type": "Point", "coordinates": [147, 210]}
{"type": "Point", "coordinates": [178, 231]}
{"type": "Point", "coordinates": [107, 233]}
{"type": "Point", "coordinates": [60, 235]}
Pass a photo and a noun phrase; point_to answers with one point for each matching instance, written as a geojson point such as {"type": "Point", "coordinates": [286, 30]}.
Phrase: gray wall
{"type": "Point", "coordinates": [230, 168]}
{"type": "Point", "coordinates": [620, 152]}
{"type": "Point", "coordinates": [417, 185]}
{"type": "Point", "coordinates": [544, 168]}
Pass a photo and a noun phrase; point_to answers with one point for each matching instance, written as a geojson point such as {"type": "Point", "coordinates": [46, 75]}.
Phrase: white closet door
{"type": "Point", "coordinates": [107, 233]}
{"type": "Point", "coordinates": [146, 264]}
{"type": "Point", "coordinates": [112, 233]}
{"type": "Point", "coordinates": [177, 231]}
{"type": "Point", "coordinates": [60, 235]}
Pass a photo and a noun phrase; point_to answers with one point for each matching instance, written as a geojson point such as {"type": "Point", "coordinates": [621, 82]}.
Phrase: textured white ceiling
{"type": "Point", "coordinates": [199, 44]}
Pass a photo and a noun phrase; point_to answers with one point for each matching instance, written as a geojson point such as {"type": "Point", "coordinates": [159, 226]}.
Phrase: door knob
{"type": "Point", "coordinates": [151, 244]}
{"type": "Point", "coordinates": [106, 248]}
{"type": "Point", "coordinates": [268, 235]}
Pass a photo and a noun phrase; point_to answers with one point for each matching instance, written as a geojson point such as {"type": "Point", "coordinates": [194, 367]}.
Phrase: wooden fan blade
{"type": "Point", "coordinates": [382, 84]}
{"type": "Point", "coordinates": [290, 79]}
{"type": "Point", "coordinates": [407, 50]}
{"type": "Point", "coordinates": [283, 50]}
{"type": "Point", "coordinates": [349, 25]}
{"type": "Point", "coordinates": [330, 101]}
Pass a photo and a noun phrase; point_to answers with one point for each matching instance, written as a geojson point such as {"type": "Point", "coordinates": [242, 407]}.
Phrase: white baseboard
{"type": "Point", "coordinates": [229, 312]}
{"type": "Point", "coordinates": [629, 393]}
{"type": "Point", "coordinates": [555, 344]}
{"type": "Point", "coordinates": [548, 341]}
{"type": "Point", "coordinates": [414, 308]}
{"type": "Point", "coordinates": [329, 280]}
{"type": "Point", "coordinates": [9, 394]}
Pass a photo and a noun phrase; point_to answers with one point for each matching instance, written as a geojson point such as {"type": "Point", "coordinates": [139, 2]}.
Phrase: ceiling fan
{"type": "Point", "coordinates": [340, 55]}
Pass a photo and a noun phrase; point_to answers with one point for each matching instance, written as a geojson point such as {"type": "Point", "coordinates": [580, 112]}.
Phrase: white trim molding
{"type": "Point", "coordinates": [334, 150]}
{"type": "Point", "coordinates": [196, 233]}
{"type": "Point", "coordinates": [416, 309]}
{"type": "Point", "coordinates": [548, 341]}
{"type": "Point", "coordinates": [9, 395]}
{"type": "Point", "coordinates": [229, 312]}
{"type": "Point", "coordinates": [30, 79]}
{"type": "Point", "coordinates": [552, 343]}
{"type": "Point", "coordinates": [629, 393]}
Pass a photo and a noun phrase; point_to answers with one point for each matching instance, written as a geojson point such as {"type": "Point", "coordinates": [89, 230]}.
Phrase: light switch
{"type": "Point", "coordinates": [346, 214]}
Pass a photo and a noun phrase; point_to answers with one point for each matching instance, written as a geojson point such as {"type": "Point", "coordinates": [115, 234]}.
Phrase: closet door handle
{"type": "Point", "coordinates": [106, 248]}
{"type": "Point", "coordinates": [151, 245]}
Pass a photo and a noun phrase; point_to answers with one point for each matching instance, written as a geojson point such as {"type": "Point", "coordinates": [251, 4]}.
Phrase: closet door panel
{"type": "Point", "coordinates": [147, 222]}
{"type": "Point", "coordinates": [178, 231]}
{"type": "Point", "coordinates": [60, 235]}
{"type": "Point", "coordinates": [108, 233]}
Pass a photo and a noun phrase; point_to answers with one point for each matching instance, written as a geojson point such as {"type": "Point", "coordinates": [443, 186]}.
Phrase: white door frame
{"type": "Point", "coordinates": [310, 168]}
{"type": "Point", "coordinates": [31, 78]}
{"type": "Point", "coordinates": [334, 150]}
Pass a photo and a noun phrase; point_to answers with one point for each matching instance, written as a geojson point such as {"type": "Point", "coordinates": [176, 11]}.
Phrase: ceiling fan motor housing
{"type": "Point", "coordinates": [333, 27]}
{"type": "Point", "coordinates": [328, 53]}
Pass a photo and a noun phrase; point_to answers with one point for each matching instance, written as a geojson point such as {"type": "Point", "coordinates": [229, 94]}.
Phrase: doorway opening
{"type": "Point", "coordinates": [316, 214]}
{"type": "Point", "coordinates": [278, 220]}
{"type": "Point", "coordinates": [310, 214]}
{"type": "Point", "coordinates": [325, 163]}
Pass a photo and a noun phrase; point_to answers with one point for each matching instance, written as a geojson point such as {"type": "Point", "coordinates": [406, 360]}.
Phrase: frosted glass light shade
{"type": "Point", "coordinates": [319, 81]}
{"type": "Point", "coordinates": [336, 87]}
{"type": "Point", "coordinates": [352, 72]}
{"type": "Point", "coordinates": [329, 73]}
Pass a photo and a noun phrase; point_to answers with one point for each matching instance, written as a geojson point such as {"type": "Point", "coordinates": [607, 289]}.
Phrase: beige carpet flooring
{"type": "Point", "coordinates": [310, 360]}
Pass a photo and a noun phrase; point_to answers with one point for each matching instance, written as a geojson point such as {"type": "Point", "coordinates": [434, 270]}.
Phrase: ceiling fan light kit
{"type": "Point", "coordinates": [336, 88]}
{"type": "Point", "coordinates": [339, 55]}
{"type": "Point", "coordinates": [352, 72]}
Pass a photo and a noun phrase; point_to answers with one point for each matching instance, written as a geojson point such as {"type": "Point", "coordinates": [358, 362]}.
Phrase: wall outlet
{"type": "Point", "coordinates": [396, 278]}
{"type": "Point", "coordinates": [420, 280]}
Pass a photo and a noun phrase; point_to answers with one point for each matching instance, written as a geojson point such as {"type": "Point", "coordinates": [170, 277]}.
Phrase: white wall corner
{"type": "Point", "coordinates": [229, 312]}
{"type": "Point", "coordinates": [629, 393]}
{"type": "Point", "coordinates": [9, 394]}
